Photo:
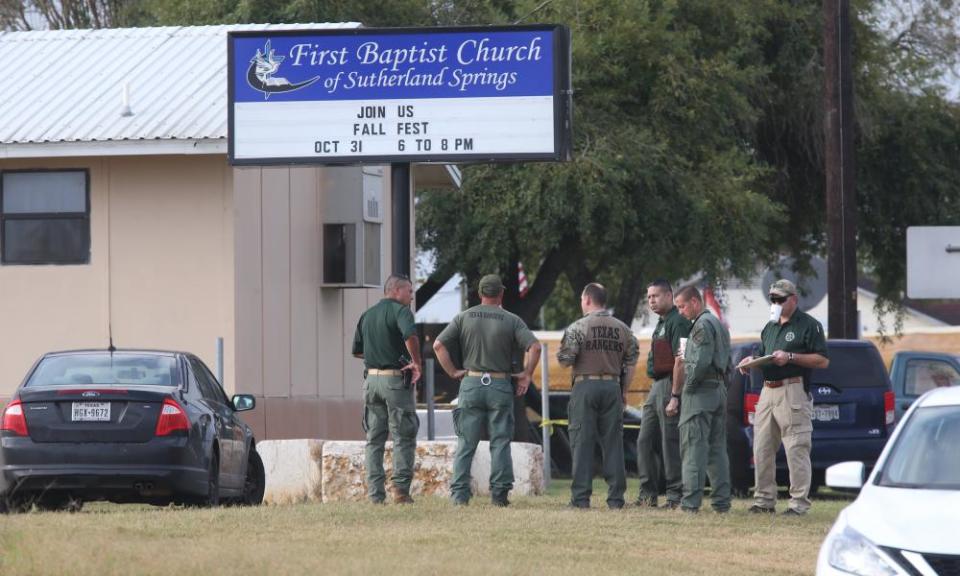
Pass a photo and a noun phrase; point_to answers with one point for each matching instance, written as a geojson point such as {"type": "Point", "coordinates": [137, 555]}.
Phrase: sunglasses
{"type": "Point", "coordinates": [779, 299]}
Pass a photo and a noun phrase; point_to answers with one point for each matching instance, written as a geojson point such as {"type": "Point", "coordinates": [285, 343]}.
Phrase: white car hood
{"type": "Point", "coordinates": [916, 520]}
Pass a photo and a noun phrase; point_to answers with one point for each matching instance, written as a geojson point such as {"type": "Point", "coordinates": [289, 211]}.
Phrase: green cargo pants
{"type": "Point", "coordinates": [703, 446]}
{"type": "Point", "coordinates": [659, 436]}
{"type": "Point", "coordinates": [596, 415]}
{"type": "Point", "coordinates": [388, 405]}
{"type": "Point", "coordinates": [480, 404]}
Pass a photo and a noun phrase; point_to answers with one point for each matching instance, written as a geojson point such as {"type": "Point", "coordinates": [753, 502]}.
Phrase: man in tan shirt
{"type": "Point", "coordinates": [603, 353]}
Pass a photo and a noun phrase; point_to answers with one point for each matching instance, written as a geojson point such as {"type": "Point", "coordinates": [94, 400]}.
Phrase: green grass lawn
{"type": "Point", "coordinates": [534, 536]}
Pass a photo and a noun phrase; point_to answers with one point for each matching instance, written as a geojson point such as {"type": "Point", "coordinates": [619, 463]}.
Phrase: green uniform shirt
{"type": "Point", "coordinates": [671, 326]}
{"type": "Point", "coordinates": [487, 337]}
{"type": "Point", "coordinates": [800, 334]}
{"type": "Point", "coordinates": [381, 334]}
{"type": "Point", "coordinates": [707, 354]}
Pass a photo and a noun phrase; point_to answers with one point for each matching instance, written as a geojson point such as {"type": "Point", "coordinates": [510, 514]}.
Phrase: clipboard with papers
{"type": "Point", "coordinates": [757, 362]}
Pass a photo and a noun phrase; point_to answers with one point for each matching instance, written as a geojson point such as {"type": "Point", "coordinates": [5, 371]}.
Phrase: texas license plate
{"type": "Point", "coordinates": [826, 412]}
{"type": "Point", "coordinates": [90, 412]}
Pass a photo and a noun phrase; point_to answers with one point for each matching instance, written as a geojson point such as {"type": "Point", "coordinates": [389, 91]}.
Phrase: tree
{"type": "Point", "coordinates": [370, 13]}
{"type": "Point", "coordinates": [699, 147]}
{"type": "Point", "coordinates": [907, 160]}
{"type": "Point", "coordinates": [660, 184]}
{"type": "Point", "coordinates": [65, 14]}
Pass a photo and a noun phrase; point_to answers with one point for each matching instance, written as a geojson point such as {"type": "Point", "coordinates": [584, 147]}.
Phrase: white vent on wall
{"type": "Point", "coordinates": [373, 204]}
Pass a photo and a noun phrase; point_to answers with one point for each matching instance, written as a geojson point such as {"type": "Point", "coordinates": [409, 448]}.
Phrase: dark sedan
{"type": "Point", "coordinates": [125, 426]}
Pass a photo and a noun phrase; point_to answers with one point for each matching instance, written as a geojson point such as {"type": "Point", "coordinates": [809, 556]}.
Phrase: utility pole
{"type": "Point", "coordinates": [840, 171]}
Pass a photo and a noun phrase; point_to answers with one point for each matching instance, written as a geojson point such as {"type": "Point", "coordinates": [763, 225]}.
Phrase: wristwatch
{"type": "Point", "coordinates": [790, 357]}
{"type": "Point", "coordinates": [672, 395]}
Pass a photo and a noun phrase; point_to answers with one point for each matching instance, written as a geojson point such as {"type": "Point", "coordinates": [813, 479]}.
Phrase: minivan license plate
{"type": "Point", "coordinates": [826, 412]}
{"type": "Point", "coordinates": [91, 412]}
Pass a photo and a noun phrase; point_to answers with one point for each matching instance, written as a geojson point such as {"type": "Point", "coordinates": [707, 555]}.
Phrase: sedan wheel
{"type": "Point", "coordinates": [213, 496]}
{"type": "Point", "coordinates": [254, 482]}
{"type": "Point", "coordinates": [66, 503]}
{"type": "Point", "coordinates": [11, 505]}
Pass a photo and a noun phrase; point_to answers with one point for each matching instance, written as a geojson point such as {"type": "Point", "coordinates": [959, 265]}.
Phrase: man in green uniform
{"type": "Point", "coordinates": [797, 345]}
{"type": "Point", "coordinates": [386, 340]}
{"type": "Point", "coordinates": [486, 336]}
{"type": "Point", "coordinates": [603, 353]}
{"type": "Point", "coordinates": [659, 433]}
{"type": "Point", "coordinates": [702, 405]}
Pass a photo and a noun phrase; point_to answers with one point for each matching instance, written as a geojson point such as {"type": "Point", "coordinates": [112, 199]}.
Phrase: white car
{"type": "Point", "coordinates": [906, 520]}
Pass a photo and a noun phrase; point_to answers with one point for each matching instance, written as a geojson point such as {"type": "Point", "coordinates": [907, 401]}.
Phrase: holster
{"type": "Point", "coordinates": [662, 356]}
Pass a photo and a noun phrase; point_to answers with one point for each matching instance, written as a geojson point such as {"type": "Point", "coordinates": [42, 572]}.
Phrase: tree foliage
{"type": "Point", "coordinates": [661, 183]}
{"type": "Point", "coordinates": [700, 148]}
{"type": "Point", "coordinates": [393, 13]}
{"type": "Point", "coordinates": [65, 14]}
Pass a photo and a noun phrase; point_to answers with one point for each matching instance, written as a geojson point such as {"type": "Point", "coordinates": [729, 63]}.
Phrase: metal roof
{"type": "Point", "coordinates": [67, 86]}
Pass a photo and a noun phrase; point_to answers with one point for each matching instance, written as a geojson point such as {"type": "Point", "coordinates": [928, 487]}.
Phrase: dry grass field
{"type": "Point", "coordinates": [534, 536]}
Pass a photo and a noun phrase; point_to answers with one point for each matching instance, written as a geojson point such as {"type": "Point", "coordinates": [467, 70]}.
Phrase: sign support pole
{"type": "Point", "coordinates": [400, 228]}
{"type": "Point", "coordinates": [547, 429]}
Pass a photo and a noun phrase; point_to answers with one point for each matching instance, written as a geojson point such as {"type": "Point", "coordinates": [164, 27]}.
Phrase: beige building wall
{"type": "Point", "coordinates": [160, 272]}
{"type": "Point", "coordinates": [293, 336]}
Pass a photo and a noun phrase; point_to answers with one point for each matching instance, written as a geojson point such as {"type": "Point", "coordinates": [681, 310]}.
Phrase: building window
{"type": "Point", "coordinates": [45, 217]}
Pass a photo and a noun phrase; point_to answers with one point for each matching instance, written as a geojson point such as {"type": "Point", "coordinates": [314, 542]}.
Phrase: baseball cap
{"type": "Point", "coordinates": [783, 288]}
{"type": "Point", "coordinates": [490, 285]}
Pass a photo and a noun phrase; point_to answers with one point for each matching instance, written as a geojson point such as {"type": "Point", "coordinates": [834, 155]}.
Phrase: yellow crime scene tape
{"type": "Point", "coordinates": [564, 422]}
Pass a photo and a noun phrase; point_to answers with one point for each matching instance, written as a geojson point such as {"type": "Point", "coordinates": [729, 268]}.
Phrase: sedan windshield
{"type": "Point", "coordinates": [106, 369]}
{"type": "Point", "coordinates": [925, 455]}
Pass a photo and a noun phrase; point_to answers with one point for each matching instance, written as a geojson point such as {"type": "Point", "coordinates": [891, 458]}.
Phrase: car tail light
{"type": "Point", "coordinates": [172, 418]}
{"type": "Point", "coordinates": [750, 408]}
{"type": "Point", "coordinates": [13, 419]}
{"type": "Point", "coordinates": [889, 413]}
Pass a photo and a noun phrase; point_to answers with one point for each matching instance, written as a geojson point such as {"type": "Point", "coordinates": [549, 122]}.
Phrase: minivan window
{"type": "Point", "coordinates": [923, 375]}
{"type": "Point", "coordinates": [852, 367]}
{"type": "Point", "coordinates": [106, 369]}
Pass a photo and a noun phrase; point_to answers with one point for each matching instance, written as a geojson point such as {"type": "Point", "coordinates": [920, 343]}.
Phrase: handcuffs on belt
{"type": "Point", "coordinates": [485, 379]}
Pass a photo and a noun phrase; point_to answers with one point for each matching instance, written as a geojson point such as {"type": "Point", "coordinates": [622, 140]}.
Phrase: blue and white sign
{"type": "Point", "coordinates": [399, 95]}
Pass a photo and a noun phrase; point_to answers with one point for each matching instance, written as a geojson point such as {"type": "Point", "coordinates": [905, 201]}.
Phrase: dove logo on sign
{"type": "Point", "coordinates": [260, 74]}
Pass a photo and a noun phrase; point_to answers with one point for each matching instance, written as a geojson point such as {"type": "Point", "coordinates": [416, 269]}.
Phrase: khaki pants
{"type": "Point", "coordinates": [783, 415]}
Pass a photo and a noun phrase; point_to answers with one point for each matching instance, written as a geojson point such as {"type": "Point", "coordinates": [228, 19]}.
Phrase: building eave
{"type": "Point", "coordinates": [169, 147]}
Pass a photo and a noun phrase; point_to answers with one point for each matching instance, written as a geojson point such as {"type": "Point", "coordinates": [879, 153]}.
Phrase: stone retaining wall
{"type": "Point", "coordinates": [328, 471]}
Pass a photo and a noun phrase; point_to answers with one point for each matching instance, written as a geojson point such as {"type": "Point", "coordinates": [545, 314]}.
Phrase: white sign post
{"type": "Point", "coordinates": [933, 262]}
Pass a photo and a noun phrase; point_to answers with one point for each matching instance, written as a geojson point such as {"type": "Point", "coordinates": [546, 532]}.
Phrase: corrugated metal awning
{"type": "Point", "coordinates": [66, 87]}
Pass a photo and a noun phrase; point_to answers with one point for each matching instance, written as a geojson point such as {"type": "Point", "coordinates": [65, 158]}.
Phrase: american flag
{"type": "Point", "coordinates": [523, 287]}
{"type": "Point", "coordinates": [711, 301]}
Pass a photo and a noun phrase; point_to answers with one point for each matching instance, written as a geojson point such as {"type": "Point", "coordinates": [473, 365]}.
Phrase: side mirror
{"type": "Point", "coordinates": [849, 475]}
{"type": "Point", "coordinates": [243, 402]}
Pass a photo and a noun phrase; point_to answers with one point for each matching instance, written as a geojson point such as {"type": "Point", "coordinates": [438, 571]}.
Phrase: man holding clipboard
{"type": "Point", "coordinates": [659, 433]}
{"type": "Point", "coordinates": [794, 345]}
